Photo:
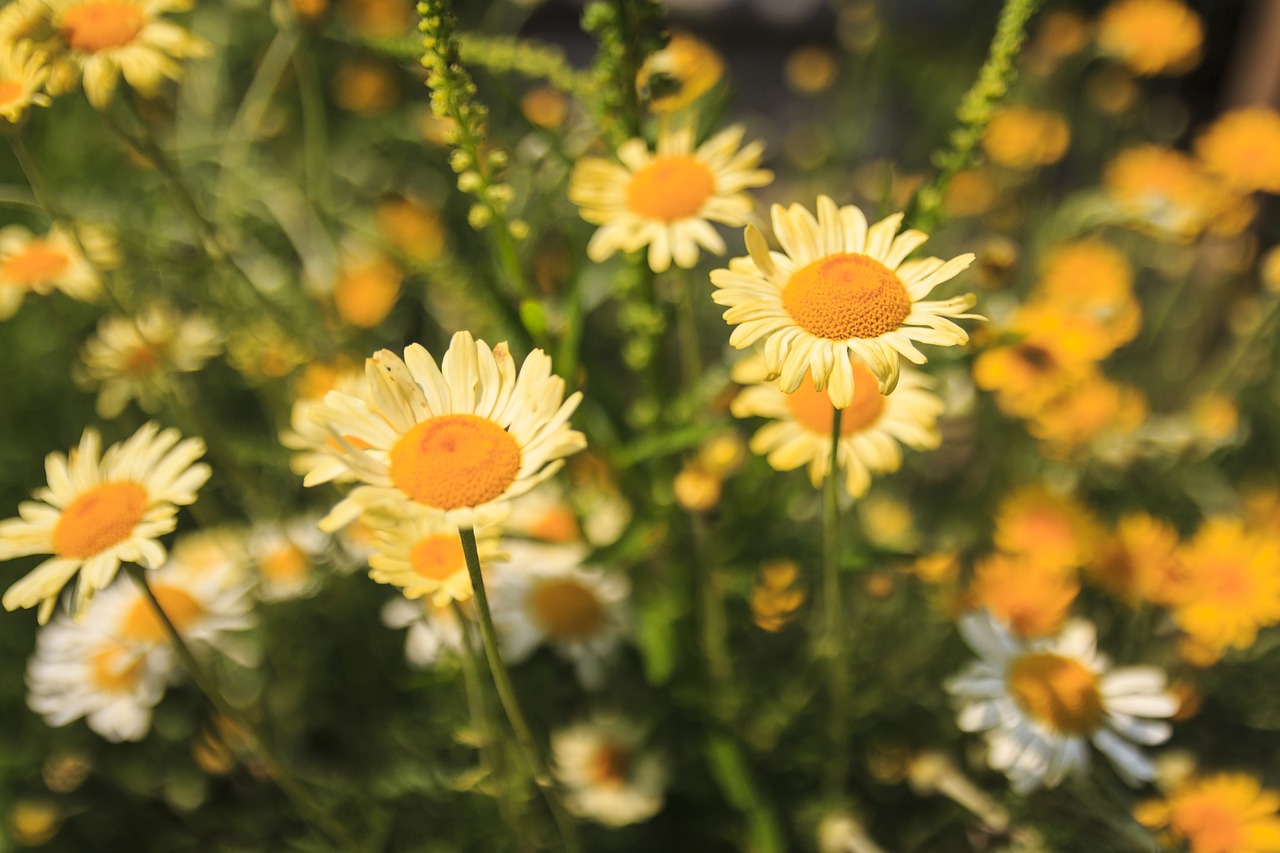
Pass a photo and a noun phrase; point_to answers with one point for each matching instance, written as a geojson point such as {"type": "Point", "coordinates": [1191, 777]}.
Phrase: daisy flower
{"type": "Point", "coordinates": [99, 510]}
{"type": "Point", "coordinates": [285, 556]}
{"type": "Point", "coordinates": [1039, 702]}
{"type": "Point", "coordinates": [111, 38]}
{"type": "Point", "coordinates": [317, 454]}
{"type": "Point", "coordinates": [841, 288]}
{"type": "Point", "coordinates": [423, 556]}
{"type": "Point", "coordinates": [1031, 596]}
{"type": "Point", "coordinates": [871, 428]}
{"type": "Point", "coordinates": [1046, 526]}
{"type": "Point", "coordinates": [456, 439]}
{"type": "Point", "coordinates": [23, 73]}
{"type": "Point", "coordinates": [606, 774]}
{"type": "Point", "coordinates": [40, 265]}
{"type": "Point", "coordinates": [1151, 36]}
{"type": "Point", "coordinates": [135, 358]}
{"type": "Point", "coordinates": [544, 514]}
{"type": "Point", "coordinates": [1222, 813]}
{"type": "Point", "coordinates": [667, 199]}
{"type": "Point", "coordinates": [433, 631]}
{"type": "Point", "coordinates": [542, 594]}
{"type": "Point", "coordinates": [686, 69]}
{"type": "Point", "coordinates": [1242, 147]}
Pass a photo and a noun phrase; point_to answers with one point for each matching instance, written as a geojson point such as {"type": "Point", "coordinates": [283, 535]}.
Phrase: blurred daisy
{"type": "Point", "coordinates": [1040, 702]}
{"type": "Point", "coordinates": [667, 199]}
{"type": "Point", "coordinates": [423, 556]}
{"type": "Point", "coordinates": [1021, 138]}
{"type": "Point", "coordinates": [455, 440]}
{"type": "Point", "coordinates": [285, 556]}
{"type": "Point", "coordinates": [1139, 562]}
{"type": "Point", "coordinates": [23, 73]}
{"type": "Point", "coordinates": [318, 454]}
{"type": "Point", "coordinates": [366, 288]}
{"type": "Point", "coordinates": [135, 358]}
{"type": "Point", "coordinates": [679, 74]}
{"type": "Point", "coordinates": [1046, 526]}
{"type": "Point", "coordinates": [111, 38]}
{"type": "Point", "coordinates": [544, 514]}
{"type": "Point", "coordinates": [541, 594]}
{"type": "Point", "coordinates": [1243, 148]}
{"type": "Point", "coordinates": [1091, 409]}
{"type": "Point", "coordinates": [1164, 189]}
{"type": "Point", "coordinates": [40, 265]}
{"type": "Point", "coordinates": [841, 288]}
{"type": "Point", "coordinates": [607, 775]}
{"type": "Point", "coordinates": [871, 428]}
{"type": "Point", "coordinates": [1092, 279]}
{"type": "Point", "coordinates": [433, 631]}
{"type": "Point", "coordinates": [99, 510]}
{"type": "Point", "coordinates": [1032, 597]}
{"type": "Point", "coordinates": [1151, 36]}
{"type": "Point", "coordinates": [1222, 813]}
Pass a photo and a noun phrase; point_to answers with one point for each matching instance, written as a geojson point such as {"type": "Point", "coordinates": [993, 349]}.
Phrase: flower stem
{"type": "Point", "coordinates": [507, 696]}
{"type": "Point", "coordinates": [320, 816]}
{"type": "Point", "coordinates": [832, 601]}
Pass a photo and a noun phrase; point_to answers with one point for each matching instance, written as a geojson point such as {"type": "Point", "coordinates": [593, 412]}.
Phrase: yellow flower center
{"type": "Point", "coordinates": [671, 187]}
{"type": "Point", "coordinates": [566, 609]}
{"type": "Point", "coordinates": [111, 671]}
{"type": "Point", "coordinates": [36, 264]}
{"type": "Point", "coordinates": [99, 26]}
{"type": "Point", "coordinates": [103, 516]}
{"type": "Point", "coordinates": [454, 461]}
{"type": "Point", "coordinates": [437, 557]}
{"type": "Point", "coordinates": [10, 91]}
{"type": "Point", "coordinates": [1057, 692]}
{"type": "Point", "coordinates": [610, 764]}
{"type": "Point", "coordinates": [846, 296]}
{"type": "Point", "coordinates": [141, 360]}
{"type": "Point", "coordinates": [557, 524]}
{"type": "Point", "coordinates": [286, 563]}
{"type": "Point", "coordinates": [813, 410]}
{"type": "Point", "coordinates": [142, 624]}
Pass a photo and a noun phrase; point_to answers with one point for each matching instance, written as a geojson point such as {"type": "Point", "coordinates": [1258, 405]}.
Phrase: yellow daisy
{"type": "Point", "coordinates": [667, 199]}
{"type": "Point", "coordinates": [110, 38]}
{"type": "Point", "coordinates": [840, 288]}
{"type": "Point", "coordinates": [1140, 562]}
{"type": "Point", "coordinates": [319, 455]}
{"type": "Point", "coordinates": [1047, 527]}
{"type": "Point", "coordinates": [1151, 36]}
{"type": "Point", "coordinates": [456, 439]}
{"type": "Point", "coordinates": [1032, 597]}
{"type": "Point", "coordinates": [871, 428]}
{"type": "Point", "coordinates": [1243, 148]}
{"type": "Point", "coordinates": [1094, 408]}
{"type": "Point", "coordinates": [423, 556]}
{"type": "Point", "coordinates": [23, 73]}
{"type": "Point", "coordinates": [1223, 813]}
{"type": "Point", "coordinates": [1022, 138]}
{"type": "Point", "coordinates": [100, 510]}
{"type": "Point", "coordinates": [42, 264]}
{"type": "Point", "coordinates": [1163, 189]}
{"type": "Point", "coordinates": [685, 70]}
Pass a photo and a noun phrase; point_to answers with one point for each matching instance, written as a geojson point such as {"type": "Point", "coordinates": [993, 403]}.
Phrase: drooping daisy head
{"type": "Point", "coordinates": [1219, 813]}
{"type": "Point", "coordinates": [111, 38]}
{"type": "Point", "coordinates": [40, 265]}
{"type": "Point", "coordinates": [608, 774]}
{"type": "Point", "coordinates": [23, 73]}
{"type": "Point", "coordinates": [1151, 36]}
{"type": "Point", "coordinates": [840, 289]}
{"type": "Point", "coordinates": [542, 594]}
{"type": "Point", "coordinates": [423, 556]}
{"type": "Point", "coordinates": [871, 428]}
{"type": "Point", "coordinates": [667, 199]}
{"type": "Point", "coordinates": [1041, 703]}
{"type": "Point", "coordinates": [454, 440]}
{"type": "Point", "coordinates": [99, 510]}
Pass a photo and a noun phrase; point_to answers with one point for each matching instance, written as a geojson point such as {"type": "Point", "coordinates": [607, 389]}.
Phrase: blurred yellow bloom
{"type": "Point", "coordinates": [1223, 813]}
{"type": "Point", "coordinates": [1060, 32]}
{"type": "Point", "coordinates": [1032, 596]}
{"type": "Point", "coordinates": [1093, 280]}
{"type": "Point", "coordinates": [697, 489]}
{"type": "Point", "coordinates": [1215, 417]}
{"type": "Point", "coordinates": [367, 288]}
{"type": "Point", "coordinates": [366, 86]}
{"type": "Point", "coordinates": [31, 264]}
{"type": "Point", "coordinates": [681, 73]}
{"type": "Point", "coordinates": [262, 350]}
{"type": "Point", "coordinates": [1243, 148]}
{"type": "Point", "coordinates": [971, 192]}
{"type": "Point", "coordinates": [811, 69]}
{"type": "Point", "coordinates": [544, 106]}
{"type": "Point", "coordinates": [412, 227]}
{"type": "Point", "coordinates": [723, 454]}
{"type": "Point", "coordinates": [23, 73]}
{"type": "Point", "coordinates": [1139, 562]}
{"type": "Point", "coordinates": [309, 10]}
{"type": "Point", "coordinates": [1151, 36]}
{"type": "Point", "coordinates": [320, 377]}
{"type": "Point", "coordinates": [776, 597]}
{"type": "Point", "coordinates": [937, 568]}
{"type": "Point", "coordinates": [1165, 190]}
{"type": "Point", "coordinates": [1022, 138]}
{"type": "Point", "coordinates": [1086, 409]}
{"type": "Point", "coordinates": [1046, 527]}
{"type": "Point", "coordinates": [33, 822]}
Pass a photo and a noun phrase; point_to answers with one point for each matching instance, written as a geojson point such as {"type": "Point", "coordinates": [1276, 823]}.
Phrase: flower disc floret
{"type": "Point", "coordinates": [846, 296]}
{"type": "Point", "coordinates": [455, 461]}
{"type": "Point", "coordinates": [101, 517]}
{"type": "Point", "coordinates": [1059, 692]}
{"type": "Point", "coordinates": [95, 27]}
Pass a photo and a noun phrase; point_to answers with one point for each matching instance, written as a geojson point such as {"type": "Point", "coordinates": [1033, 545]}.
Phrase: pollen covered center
{"type": "Point", "coordinates": [672, 187]}
{"type": "Point", "coordinates": [37, 264]}
{"type": "Point", "coordinates": [846, 296]}
{"type": "Point", "coordinates": [114, 669]}
{"type": "Point", "coordinates": [813, 410]}
{"type": "Point", "coordinates": [142, 624]}
{"type": "Point", "coordinates": [611, 764]}
{"type": "Point", "coordinates": [99, 26]}
{"type": "Point", "coordinates": [285, 563]}
{"type": "Point", "coordinates": [454, 461]}
{"type": "Point", "coordinates": [1057, 692]}
{"type": "Point", "coordinates": [437, 557]}
{"type": "Point", "coordinates": [566, 609]}
{"type": "Point", "coordinates": [103, 516]}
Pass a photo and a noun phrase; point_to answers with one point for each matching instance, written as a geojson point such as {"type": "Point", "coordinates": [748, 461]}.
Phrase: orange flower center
{"type": "Point", "coordinates": [813, 410]}
{"type": "Point", "coordinates": [36, 264]}
{"type": "Point", "coordinates": [1057, 692]}
{"type": "Point", "coordinates": [114, 669]}
{"type": "Point", "coordinates": [10, 91]}
{"type": "Point", "coordinates": [437, 557]}
{"type": "Point", "coordinates": [566, 609]}
{"type": "Point", "coordinates": [103, 516]}
{"type": "Point", "coordinates": [99, 26]}
{"type": "Point", "coordinates": [846, 296]}
{"type": "Point", "coordinates": [1229, 583]}
{"type": "Point", "coordinates": [142, 624]}
{"type": "Point", "coordinates": [141, 360]}
{"type": "Point", "coordinates": [671, 187]}
{"type": "Point", "coordinates": [454, 461]}
{"type": "Point", "coordinates": [557, 524]}
{"type": "Point", "coordinates": [610, 764]}
{"type": "Point", "coordinates": [286, 563]}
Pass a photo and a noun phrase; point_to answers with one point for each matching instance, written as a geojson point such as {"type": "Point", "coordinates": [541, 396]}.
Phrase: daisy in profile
{"type": "Point", "coordinates": [108, 39]}
{"type": "Point", "coordinates": [667, 199]}
{"type": "Point", "coordinates": [433, 632]}
{"type": "Point", "coordinates": [541, 594]}
{"type": "Point", "coordinates": [607, 774]}
{"type": "Point", "coordinates": [23, 73]}
{"type": "Point", "coordinates": [871, 428]}
{"type": "Point", "coordinates": [423, 556]}
{"type": "Point", "coordinates": [99, 510]}
{"type": "Point", "coordinates": [839, 289]}
{"type": "Point", "coordinates": [136, 358]}
{"type": "Point", "coordinates": [317, 454]}
{"type": "Point", "coordinates": [1041, 703]}
{"type": "Point", "coordinates": [1221, 813]}
{"type": "Point", "coordinates": [455, 440]}
{"type": "Point", "coordinates": [31, 264]}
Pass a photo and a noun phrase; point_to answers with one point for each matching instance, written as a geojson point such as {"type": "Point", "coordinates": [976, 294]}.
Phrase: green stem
{"type": "Point", "coordinates": [724, 699]}
{"type": "Point", "coordinates": [507, 696]}
{"type": "Point", "coordinates": [301, 798]}
{"type": "Point", "coordinates": [833, 606]}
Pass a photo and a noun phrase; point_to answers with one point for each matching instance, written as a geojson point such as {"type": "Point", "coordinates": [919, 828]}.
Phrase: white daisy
{"type": "Point", "coordinates": [542, 594]}
{"type": "Point", "coordinates": [1041, 701]}
{"type": "Point", "coordinates": [455, 440]}
{"type": "Point", "coordinates": [423, 556]}
{"type": "Point", "coordinates": [318, 455]}
{"type": "Point", "coordinates": [544, 514]}
{"type": "Point", "coordinates": [871, 427]}
{"type": "Point", "coordinates": [841, 288]}
{"type": "Point", "coordinates": [433, 631]}
{"type": "Point", "coordinates": [607, 774]}
{"type": "Point", "coordinates": [667, 200]}
{"type": "Point", "coordinates": [31, 264]}
{"type": "Point", "coordinates": [285, 556]}
{"type": "Point", "coordinates": [97, 513]}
